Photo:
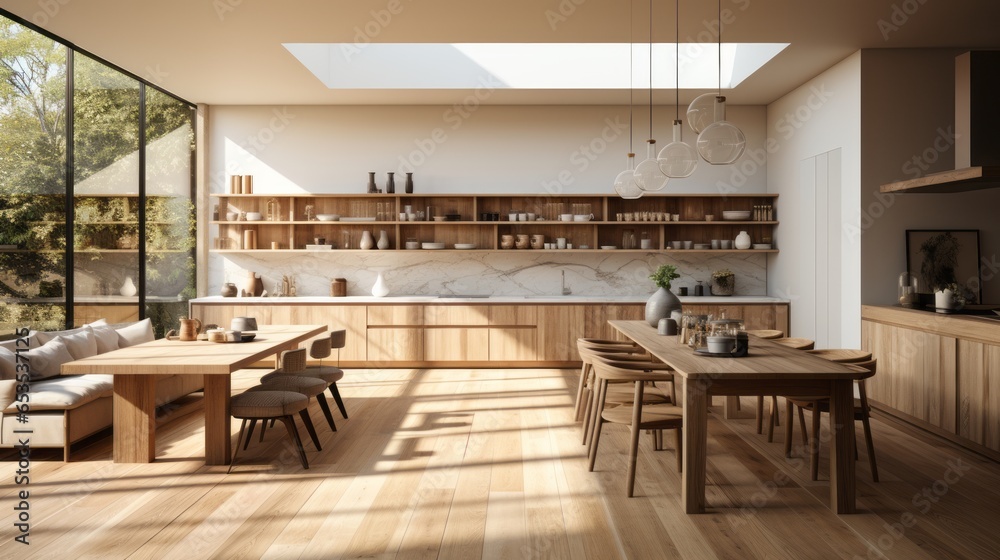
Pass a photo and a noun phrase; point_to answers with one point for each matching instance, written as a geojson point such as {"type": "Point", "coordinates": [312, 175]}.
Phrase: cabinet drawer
{"type": "Point", "coordinates": [513, 345]}
{"type": "Point", "coordinates": [510, 315]}
{"type": "Point", "coordinates": [395, 315]}
{"type": "Point", "coordinates": [395, 344]}
{"type": "Point", "coordinates": [456, 315]}
{"type": "Point", "coordinates": [461, 345]}
{"type": "Point", "coordinates": [559, 326]}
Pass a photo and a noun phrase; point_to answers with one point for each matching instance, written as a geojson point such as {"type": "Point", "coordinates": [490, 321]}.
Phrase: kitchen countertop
{"type": "Point", "coordinates": [570, 299]}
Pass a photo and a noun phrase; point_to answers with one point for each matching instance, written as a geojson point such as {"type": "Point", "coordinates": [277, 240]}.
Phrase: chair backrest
{"type": "Point", "coordinates": [338, 339]}
{"type": "Point", "coordinates": [796, 343]}
{"type": "Point", "coordinates": [319, 348]}
{"type": "Point", "coordinates": [767, 334]}
{"type": "Point", "coordinates": [631, 371]}
{"type": "Point", "coordinates": [859, 386]}
{"type": "Point", "coordinates": [293, 360]}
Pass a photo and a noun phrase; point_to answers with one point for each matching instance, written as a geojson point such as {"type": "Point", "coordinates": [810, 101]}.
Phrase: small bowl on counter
{"type": "Point", "coordinates": [328, 217]}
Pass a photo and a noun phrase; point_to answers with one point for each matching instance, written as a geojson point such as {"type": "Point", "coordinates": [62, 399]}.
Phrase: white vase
{"type": "Point", "coordinates": [743, 240]}
{"type": "Point", "coordinates": [367, 241]}
{"type": "Point", "coordinates": [128, 289]}
{"type": "Point", "coordinates": [383, 241]}
{"type": "Point", "coordinates": [944, 299]}
{"type": "Point", "coordinates": [380, 289]}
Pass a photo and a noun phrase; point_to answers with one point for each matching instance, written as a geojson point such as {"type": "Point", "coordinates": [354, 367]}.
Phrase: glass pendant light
{"type": "Point", "coordinates": [721, 142]}
{"type": "Point", "coordinates": [677, 159]}
{"type": "Point", "coordinates": [625, 183]}
{"type": "Point", "coordinates": [648, 173]}
{"type": "Point", "coordinates": [701, 111]}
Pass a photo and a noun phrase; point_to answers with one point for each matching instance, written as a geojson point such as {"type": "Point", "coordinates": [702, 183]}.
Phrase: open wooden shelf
{"type": "Point", "coordinates": [958, 180]}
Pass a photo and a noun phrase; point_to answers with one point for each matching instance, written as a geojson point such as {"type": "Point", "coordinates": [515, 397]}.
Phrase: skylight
{"type": "Point", "coordinates": [528, 65]}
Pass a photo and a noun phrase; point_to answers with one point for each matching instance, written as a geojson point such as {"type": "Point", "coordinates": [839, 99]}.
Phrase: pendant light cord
{"type": "Point", "coordinates": [677, 60]}
{"type": "Point", "coordinates": [720, 47]}
{"type": "Point", "coordinates": [651, 69]}
{"type": "Point", "coordinates": [630, 78]}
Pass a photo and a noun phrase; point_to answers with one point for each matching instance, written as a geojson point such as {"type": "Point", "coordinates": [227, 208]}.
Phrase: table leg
{"type": "Point", "coordinates": [842, 484]}
{"type": "Point", "coordinates": [730, 412]}
{"type": "Point", "coordinates": [134, 414]}
{"type": "Point", "coordinates": [217, 420]}
{"type": "Point", "coordinates": [695, 445]}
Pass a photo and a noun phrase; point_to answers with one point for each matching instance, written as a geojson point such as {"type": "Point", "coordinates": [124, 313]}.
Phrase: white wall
{"type": "Point", "coordinates": [814, 164]}
{"type": "Point", "coordinates": [489, 149]}
{"type": "Point", "coordinates": [908, 97]}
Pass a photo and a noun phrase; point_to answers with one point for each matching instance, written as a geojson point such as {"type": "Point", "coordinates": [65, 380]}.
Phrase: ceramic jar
{"type": "Point", "coordinates": [660, 305]}
{"type": "Point", "coordinates": [229, 290]}
{"type": "Point", "coordinates": [383, 241]}
{"type": "Point", "coordinates": [522, 241]}
{"type": "Point", "coordinates": [537, 241]}
{"type": "Point", "coordinates": [506, 241]}
{"type": "Point", "coordinates": [743, 240]}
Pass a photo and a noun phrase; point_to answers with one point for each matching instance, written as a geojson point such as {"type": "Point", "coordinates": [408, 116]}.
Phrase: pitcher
{"type": "Point", "coordinates": [190, 329]}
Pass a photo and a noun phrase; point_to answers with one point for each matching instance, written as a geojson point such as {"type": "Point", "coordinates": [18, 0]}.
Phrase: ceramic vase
{"type": "Point", "coordinates": [255, 284]}
{"type": "Point", "coordinates": [660, 305]}
{"type": "Point", "coordinates": [383, 241]}
{"type": "Point", "coordinates": [380, 289]}
{"type": "Point", "coordinates": [371, 183]}
{"type": "Point", "coordinates": [390, 184]}
{"type": "Point", "coordinates": [229, 290]}
{"type": "Point", "coordinates": [409, 183]}
{"type": "Point", "coordinates": [367, 241]}
{"type": "Point", "coordinates": [743, 240]}
{"type": "Point", "coordinates": [128, 289]}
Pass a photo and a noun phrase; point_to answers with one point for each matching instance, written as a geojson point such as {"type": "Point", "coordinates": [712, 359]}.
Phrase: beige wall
{"type": "Point", "coordinates": [908, 110]}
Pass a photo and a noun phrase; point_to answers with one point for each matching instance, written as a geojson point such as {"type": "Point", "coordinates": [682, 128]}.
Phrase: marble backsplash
{"type": "Point", "coordinates": [494, 273]}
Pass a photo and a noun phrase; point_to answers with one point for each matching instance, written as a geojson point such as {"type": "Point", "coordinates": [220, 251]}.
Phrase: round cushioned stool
{"type": "Point", "coordinates": [269, 405]}
{"type": "Point", "coordinates": [293, 366]}
{"type": "Point", "coordinates": [308, 386]}
{"type": "Point", "coordinates": [294, 363]}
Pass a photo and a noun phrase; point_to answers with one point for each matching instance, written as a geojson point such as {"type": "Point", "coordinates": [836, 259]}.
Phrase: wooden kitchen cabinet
{"type": "Point", "coordinates": [940, 373]}
{"type": "Point", "coordinates": [596, 319]}
{"type": "Point", "coordinates": [456, 345]}
{"type": "Point", "coordinates": [559, 327]}
{"type": "Point", "coordinates": [456, 315]}
{"type": "Point", "coordinates": [513, 344]}
{"type": "Point", "coordinates": [401, 344]}
{"type": "Point", "coordinates": [395, 315]}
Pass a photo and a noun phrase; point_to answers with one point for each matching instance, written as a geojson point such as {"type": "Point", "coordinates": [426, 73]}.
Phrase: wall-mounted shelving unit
{"type": "Point", "coordinates": [469, 219]}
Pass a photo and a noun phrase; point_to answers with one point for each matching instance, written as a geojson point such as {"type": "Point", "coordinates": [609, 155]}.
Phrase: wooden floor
{"type": "Point", "coordinates": [488, 464]}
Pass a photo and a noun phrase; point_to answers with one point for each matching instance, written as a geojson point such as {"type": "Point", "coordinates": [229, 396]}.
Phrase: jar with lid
{"type": "Point", "coordinates": [908, 296]}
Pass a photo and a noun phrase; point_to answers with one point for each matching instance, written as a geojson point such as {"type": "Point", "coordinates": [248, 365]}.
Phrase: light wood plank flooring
{"type": "Point", "coordinates": [460, 464]}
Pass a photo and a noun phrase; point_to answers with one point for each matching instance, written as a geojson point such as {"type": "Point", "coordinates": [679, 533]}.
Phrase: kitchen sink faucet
{"type": "Point", "coordinates": [565, 291]}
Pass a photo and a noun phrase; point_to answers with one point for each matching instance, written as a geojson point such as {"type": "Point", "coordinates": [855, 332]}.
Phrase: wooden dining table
{"type": "Point", "coordinates": [769, 369]}
{"type": "Point", "coordinates": [135, 369]}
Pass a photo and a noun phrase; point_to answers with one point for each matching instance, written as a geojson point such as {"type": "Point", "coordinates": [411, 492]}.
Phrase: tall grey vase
{"type": "Point", "coordinates": [659, 306]}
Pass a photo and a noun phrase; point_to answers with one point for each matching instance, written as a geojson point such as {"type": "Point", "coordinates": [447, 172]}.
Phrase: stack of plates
{"type": "Point", "coordinates": [608, 247]}
{"type": "Point", "coordinates": [327, 217]}
{"type": "Point", "coordinates": [319, 247]}
{"type": "Point", "coordinates": [702, 246]}
{"type": "Point", "coordinates": [736, 215]}
{"type": "Point", "coordinates": [432, 245]}
{"type": "Point", "coordinates": [465, 246]}
{"type": "Point", "coordinates": [361, 219]}
{"type": "Point", "coordinates": [761, 246]}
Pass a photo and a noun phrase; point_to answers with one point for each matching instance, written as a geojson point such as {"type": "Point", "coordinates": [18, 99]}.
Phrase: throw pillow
{"type": "Point", "coordinates": [107, 338]}
{"type": "Point", "coordinates": [136, 333]}
{"type": "Point", "coordinates": [45, 360]}
{"type": "Point", "coordinates": [80, 342]}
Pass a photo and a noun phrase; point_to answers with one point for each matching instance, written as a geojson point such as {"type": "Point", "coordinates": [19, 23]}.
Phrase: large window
{"type": "Point", "coordinates": [127, 172]}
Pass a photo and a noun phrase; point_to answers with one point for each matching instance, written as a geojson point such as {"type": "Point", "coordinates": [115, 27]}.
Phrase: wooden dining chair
{"type": "Point", "coordinates": [818, 406]}
{"type": "Point", "coordinates": [772, 411]}
{"type": "Point", "coordinates": [584, 346]}
{"type": "Point", "coordinates": [767, 334]}
{"type": "Point", "coordinates": [637, 415]}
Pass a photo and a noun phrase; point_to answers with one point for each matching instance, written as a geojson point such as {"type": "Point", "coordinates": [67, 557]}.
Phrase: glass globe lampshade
{"type": "Point", "coordinates": [625, 183]}
{"type": "Point", "coordinates": [648, 174]}
{"type": "Point", "coordinates": [678, 159]}
{"type": "Point", "coordinates": [701, 112]}
{"type": "Point", "coordinates": [721, 143]}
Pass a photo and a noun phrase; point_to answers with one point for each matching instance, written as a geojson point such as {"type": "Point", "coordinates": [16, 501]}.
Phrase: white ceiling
{"type": "Point", "coordinates": [230, 51]}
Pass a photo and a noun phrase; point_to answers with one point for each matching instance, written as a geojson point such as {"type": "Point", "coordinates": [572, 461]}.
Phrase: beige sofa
{"type": "Point", "coordinates": [66, 409]}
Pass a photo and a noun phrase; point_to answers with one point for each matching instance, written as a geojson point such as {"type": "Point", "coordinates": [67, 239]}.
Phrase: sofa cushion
{"type": "Point", "coordinates": [68, 391]}
{"type": "Point", "coordinates": [136, 333]}
{"type": "Point", "coordinates": [12, 343]}
{"type": "Point", "coordinates": [106, 336]}
{"type": "Point", "coordinates": [80, 342]}
{"type": "Point", "coordinates": [45, 360]}
{"type": "Point", "coordinates": [7, 364]}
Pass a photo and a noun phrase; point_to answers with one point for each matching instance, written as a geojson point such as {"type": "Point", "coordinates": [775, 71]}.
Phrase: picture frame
{"type": "Point", "coordinates": [962, 249]}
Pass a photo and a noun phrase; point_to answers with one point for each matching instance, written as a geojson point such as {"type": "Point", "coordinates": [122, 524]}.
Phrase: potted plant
{"type": "Point", "coordinates": [663, 301]}
{"type": "Point", "coordinates": [723, 282]}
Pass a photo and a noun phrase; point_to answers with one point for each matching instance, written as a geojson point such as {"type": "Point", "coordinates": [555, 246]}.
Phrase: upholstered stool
{"type": "Point", "coordinates": [293, 366]}
{"type": "Point", "coordinates": [308, 386]}
{"type": "Point", "coordinates": [270, 405]}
